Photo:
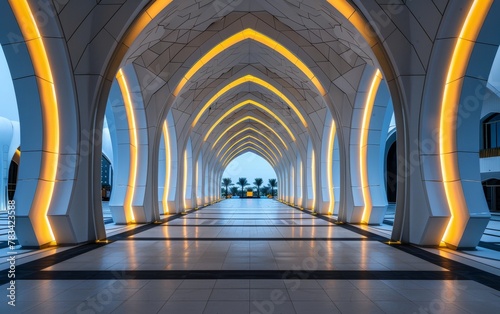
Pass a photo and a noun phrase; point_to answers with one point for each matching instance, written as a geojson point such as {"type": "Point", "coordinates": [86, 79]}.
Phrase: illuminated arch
{"type": "Point", "coordinates": [326, 174]}
{"type": "Point", "coordinates": [450, 104]}
{"type": "Point", "coordinates": [311, 177]}
{"type": "Point", "coordinates": [43, 194]}
{"type": "Point", "coordinates": [246, 118]}
{"type": "Point", "coordinates": [167, 168]}
{"type": "Point", "coordinates": [253, 130]}
{"type": "Point", "coordinates": [246, 103]}
{"type": "Point", "coordinates": [356, 19]}
{"type": "Point", "coordinates": [260, 38]}
{"type": "Point", "coordinates": [187, 177]}
{"type": "Point", "coordinates": [249, 137]}
{"type": "Point", "coordinates": [244, 148]}
{"type": "Point", "coordinates": [249, 144]}
{"type": "Point", "coordinates": [129, 195]}
{"type": "Point", "coordinates": [144, 19]}
{"type": "Point", "coordinates": [363, 145]}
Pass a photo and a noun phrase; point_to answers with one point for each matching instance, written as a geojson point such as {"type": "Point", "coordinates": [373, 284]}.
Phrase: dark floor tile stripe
{"type": "Point", "coordinates": [243, 274]}
{"type": "Point", "coordinates": [490, 245]}
{"type": "Point", "coordinates": [245, 239]}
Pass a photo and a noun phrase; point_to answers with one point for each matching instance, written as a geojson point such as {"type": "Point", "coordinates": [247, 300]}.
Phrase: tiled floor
{"type": "Point", "coordinates": [250, 256]}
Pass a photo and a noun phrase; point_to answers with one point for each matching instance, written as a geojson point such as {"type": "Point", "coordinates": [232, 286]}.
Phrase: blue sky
{"type": "Point", "coordinates": [250, 166]}
{"type": "Point", "coordinates": [8, 103]}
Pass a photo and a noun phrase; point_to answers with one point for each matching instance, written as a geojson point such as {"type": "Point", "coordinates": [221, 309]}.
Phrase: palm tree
{"type": "Point", "coordinates": [264, 190]}
{"type": "Point", "coordinates": [226, 182]}
{"type": "Point", "coordinates": [234, 190]}
{"type": "Point", "coordinates": [273, 183]}
{"type": "Point", "coordinates": [258, 182]}
{"type": "Point", "coordinates": [243, 182]}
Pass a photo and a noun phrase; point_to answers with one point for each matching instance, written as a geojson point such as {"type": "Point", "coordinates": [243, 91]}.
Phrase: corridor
{"type": "Point", "coordinates": [250, 256]}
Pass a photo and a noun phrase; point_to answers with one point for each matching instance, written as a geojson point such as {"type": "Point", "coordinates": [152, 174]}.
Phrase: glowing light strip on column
{"type": "Point", "coordinates": [246, 118]}
{"type": "Point", "coordinates": [449, 110]}
{"type": "Point", "coordinates": [301, 182]}
{"type": "Point", "coordinates": [313, 178]}
{"type": "Point", "coordinates": [258, 37]}
{"type": "Point", "coordinates": [17, 156]}
{"type": "Point", "coordinates": [196, 184]}
{"type": "Point", "coordinates": [249, 137]}
{"type": "Point", "coordinates": [249, 79]}
{"type": "Point", "coordinates": [168, 164]}
{"type": "Point", "coordinates": [363, 145]}
{"type": "Point", "coordinates": [329, 160]}
{"type": "Point", "coordinates": [249, 102]}
{"type": "Point", "coordinates": [50, 112]}
{"type": "Point", "coordinates": [249, 146]}
{"type": "Point", "coordinates": [185, 178]}
{"type": "Point", "coordinates": [255, 144]}
{"type": "Point", "coordinates": [129, 110]}
{"type": "Point", "coordinates": [253, 130]}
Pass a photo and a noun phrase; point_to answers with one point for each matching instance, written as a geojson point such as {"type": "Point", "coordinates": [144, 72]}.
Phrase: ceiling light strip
{"type": "Point", "coordinates": [258, 37]}
{"type": "Point", "coordinates": [247, 103]}
{"type": "Point", "coordinates": [250, 118]}
{"type": "Point", "coordinates": [244, 147]}
{"type": "Point", "coordinates": [255, 144]}
{"type": "Point", "coordinates": [253, 130]}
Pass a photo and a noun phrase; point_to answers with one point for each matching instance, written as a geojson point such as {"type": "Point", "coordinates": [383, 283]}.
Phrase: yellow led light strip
{"type": "Point", "coordinates": [246, 118]}
{"type": "Point", "coordinates": [168, 162]}
{"type": "Point", "coordinates": [246, 103]}
{"type": "Point", "coordinates": [247, 137]}
{"type": "Point", "coordinates": [253, 130]}
{"type": "Point", "coordinates": [129, 110]}
{"type": "Point", "coordinates": [301, 181]}
{"type": "Point", "coordinates": [196, 181]}
{"type": "Point", "coordinates": [249, 79]}
{"type": "Point", "coordinates": [361, 25]}
{"type": "Point", "coordinates": [185, 179]}
{"type": "Point", "coordinates": [144, 19]}
{"type": "Point", "coordinates": [50, 115]}
{"type": "Point", "coordinates": [330, 168]}
{"type": "Point", "coordinates": [17, 156]}
{"type": "Point", "coordinates": [449, 109]}
{"type": "Point", "coordinates": [363, 145]}
{"type": "Point", "coordinates": [249, 142]}
{"type": "Point", "coordinates": [251, 146]}
{"type": "Point", "coordinates": [313, 178]}
{"type": "Point", "coordinates": [258, 37]}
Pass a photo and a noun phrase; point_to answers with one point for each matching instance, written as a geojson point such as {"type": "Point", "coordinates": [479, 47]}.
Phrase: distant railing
{"type": "Point", "coordinates": [489, 152]}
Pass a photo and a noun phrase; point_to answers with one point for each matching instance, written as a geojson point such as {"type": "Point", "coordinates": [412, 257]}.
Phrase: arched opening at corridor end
{"type": "Point", "coordinates": [252, 167]}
